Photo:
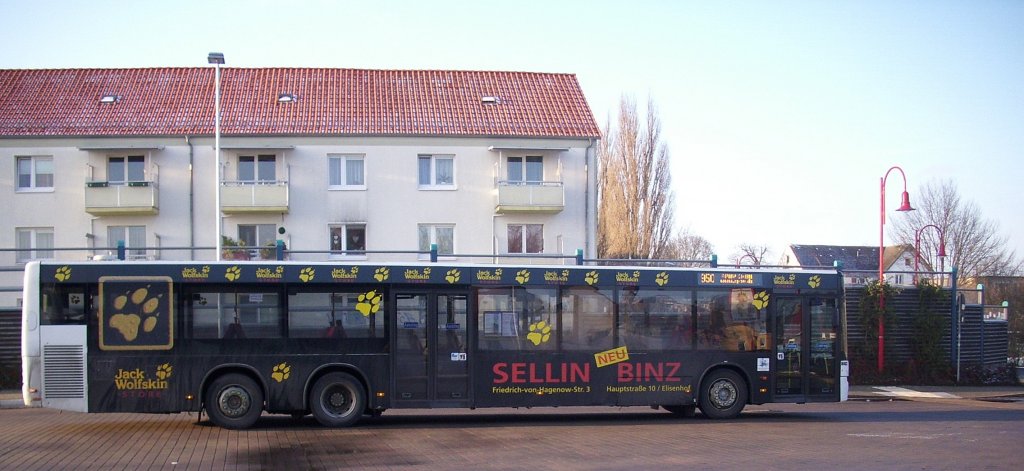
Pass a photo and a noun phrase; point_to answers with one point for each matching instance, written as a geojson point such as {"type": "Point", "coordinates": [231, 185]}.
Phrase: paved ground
{"type": "Point", "coordinates": [920, 430]}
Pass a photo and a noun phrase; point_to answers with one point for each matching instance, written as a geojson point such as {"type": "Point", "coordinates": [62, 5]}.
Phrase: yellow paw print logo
{"type": "Point", "coordinates": [307, 274]}
{"type": "Point", "coordinates": [815, 281]}
{"type": "Point", "coordinates": [233, 273]}
{"type": "Point", "coordinates": [661, 279]}
{"type": "Point", "coordinates": [591, 278]}
{"type": "Point", "coordinates": [63, 273]}
{"type": "Point", "coordinates": [381, 274]}
{"type": "Point", "coordinates": [760, 300]}
{"type": "Point", "coordinates": [523, 276]}
{"type": "Point", "coordinates": [369, 303]}
{"type": "Point", "coordinates": [540, 332]}
{"type": "Point", "coordinates": [453, 276]}
{"type": "Point", "coordinates": [164, 371]}
{"type": "Point", "coordinates": [281, 372]}
{"type": "Point", "coordinates": [134, 309]}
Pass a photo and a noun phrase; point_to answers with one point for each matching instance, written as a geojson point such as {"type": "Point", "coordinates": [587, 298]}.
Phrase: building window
{"type": "Point", "coordinates": [35, 173]}
{"type": "Point", "coordinates": [346, 172]}
{"type": "Point", "coordinates": [525, 238]}
{"type": "Point", "coordinates": [437, 170]}
{"type": "Point", "coordinates": [257, 235]}
{"type": "Point", "coordinates": [526, 169]}
{"type": "Point", "coordinates": [441, 234]}
{"type": "Point", "coordinates": [126, 169]}
{"type": "Point", "coordinates": [348, 238]}
{"type": "Point", "coordinates": [257, 168]}
{"type": "Point", "coordinates": [33, 243]}
{"type": "Point", "coordinates": [134, 238]}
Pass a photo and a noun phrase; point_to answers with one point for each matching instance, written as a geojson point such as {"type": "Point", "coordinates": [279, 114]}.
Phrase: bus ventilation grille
{"type": "Point", "coordinates": [64, 371]}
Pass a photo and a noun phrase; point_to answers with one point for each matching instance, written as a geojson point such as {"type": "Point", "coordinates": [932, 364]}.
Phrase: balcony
{"type": "Point", "coordinates": [530, 197]}
{"type": "Point", "coordinates": [254, 197]}
{"type": "Point", "coordinates": [121, 198]}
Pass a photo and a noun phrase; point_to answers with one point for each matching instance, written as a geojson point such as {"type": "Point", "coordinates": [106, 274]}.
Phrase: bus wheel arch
{"type": "Point", "coordinates": [337, 399]}
{"type": "Point", "coordinates": [233, 399]}
{"type": "Point", "coordinates": [723, 393]}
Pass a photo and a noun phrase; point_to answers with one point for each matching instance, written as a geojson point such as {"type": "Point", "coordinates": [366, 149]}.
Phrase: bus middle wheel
{"type": "Point", "coordinates": [337, 400]}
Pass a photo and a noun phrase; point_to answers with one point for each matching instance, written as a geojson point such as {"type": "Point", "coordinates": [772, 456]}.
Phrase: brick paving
{"type": "Point", "coordinates": [925, 434]}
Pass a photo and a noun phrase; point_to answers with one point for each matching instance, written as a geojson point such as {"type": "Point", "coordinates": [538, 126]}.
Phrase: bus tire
{"type": "Point", "coordinates": [682, 411]}
{"type": "Point", "coordinates": [234, 401]}
{"type": "Point", "coordinates": [337, 400]}
{"type": "Point", "coordinates": [723, 394]}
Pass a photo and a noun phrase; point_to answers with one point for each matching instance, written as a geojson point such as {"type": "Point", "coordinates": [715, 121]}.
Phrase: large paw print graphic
{"type": "Point", "coordinates": [134, 309]}
{"type": "Point", "coordinates": [453, 276]}
{"type": "Point", "coordinates": [164, 371]}
{"type": "Point", "coordinates": [63, 274]}
{"type": "Point", "coordinates": [381, 274]}
{"type": "Point", "coordinates": [307, 274]}
{"type": "Point", "coordinates": [540, 332]}
{"type": "Point", "coordinates": [233, 273]}
{"type": "Point", "coordinates": [369, 303]}
{"type": "Point", "coordinates": [281, 372]}
{"type": "Point", "coordinates": [523, 277]}
{"type": "Point", "coordinates": [661, 279]}
{"type": "Point", "coordinates": [814, 282]}
{"type": "Point", "coordinates": [760, 300]}
{"type": "Point", "coordinates": [591, 278]}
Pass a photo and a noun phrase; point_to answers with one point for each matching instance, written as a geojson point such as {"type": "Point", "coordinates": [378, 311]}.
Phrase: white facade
{"type": "Point", "coordinates": [98, 197]}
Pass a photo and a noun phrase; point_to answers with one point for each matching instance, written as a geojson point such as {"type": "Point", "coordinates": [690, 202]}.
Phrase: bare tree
{"type": "Point", "coordinates": [750, 254]}
{"type": "Point", "coordinates": [973, 244]}
{"type": "Point", "coordinates": [635, 198]}
{"type": "Point", "coordinates": [691, 247]}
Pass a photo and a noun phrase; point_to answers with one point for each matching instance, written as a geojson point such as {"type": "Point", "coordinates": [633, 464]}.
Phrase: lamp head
{"type": "Point", "coordinates": [215, 58]}
{"type": "Point", "coordinates": [905, 205]}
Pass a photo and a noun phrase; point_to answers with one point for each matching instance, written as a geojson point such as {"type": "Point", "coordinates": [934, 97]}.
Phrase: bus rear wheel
{"type": "Point", "coordinates": [234, 401]}
{"type": "Point", "coordinates": [337, 400]}
{"type": "Point", "coordinates": [723, 394]}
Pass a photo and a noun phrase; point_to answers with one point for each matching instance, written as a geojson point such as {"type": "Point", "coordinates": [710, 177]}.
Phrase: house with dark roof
{"type": "Point", "coordinates": [859, 263]}
{"type": "Point", "coordinates": [336, 163]}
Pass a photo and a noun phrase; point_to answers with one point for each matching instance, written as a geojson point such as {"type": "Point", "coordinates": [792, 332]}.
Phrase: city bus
{"type": "Point", "coordinates": [344, 341]}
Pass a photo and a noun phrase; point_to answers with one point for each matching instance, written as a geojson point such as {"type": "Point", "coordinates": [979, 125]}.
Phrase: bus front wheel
{"type": "Point", "coordinates": [337, 400]}
{"type": "Point", "coordinates": [234, 401]}
{"type": "Point", "coordinates": [723, 394]}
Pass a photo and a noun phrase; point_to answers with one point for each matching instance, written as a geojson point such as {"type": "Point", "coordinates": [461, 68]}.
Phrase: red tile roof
{"type": "Point", "coordinates": [179, 101]}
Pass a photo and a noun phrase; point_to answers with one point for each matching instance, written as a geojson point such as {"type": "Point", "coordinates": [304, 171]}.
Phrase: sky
{"type": "Point", "coordinates": [781, 118]}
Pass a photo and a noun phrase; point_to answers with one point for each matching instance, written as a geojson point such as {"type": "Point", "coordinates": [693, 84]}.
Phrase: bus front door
{"type": "Point", "coordinates": [790, 348]}
{"type": "Point", "coordinates": [806, 346]}
{"type": "Point", "coordinates": [430, 362]}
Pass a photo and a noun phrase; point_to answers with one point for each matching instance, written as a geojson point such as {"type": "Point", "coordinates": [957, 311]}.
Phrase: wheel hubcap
{"type": "Point", "coordinates": [722, 394]}
{"type": "Point", "coordinates": [234, 401]}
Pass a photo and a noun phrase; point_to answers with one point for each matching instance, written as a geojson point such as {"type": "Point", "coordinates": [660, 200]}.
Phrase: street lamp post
{"type": "Point", "coordinates": [904, 206]}
{"type": "Point", "coordinates": [217, 59]}
{"type": "Point", "coordinates": [917, 248]}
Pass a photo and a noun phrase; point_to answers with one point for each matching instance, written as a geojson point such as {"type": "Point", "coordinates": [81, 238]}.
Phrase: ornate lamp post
{"type": "Point", "coordinates": [917, 248]}
{"type": "Point", "coordinates": [904, 206]}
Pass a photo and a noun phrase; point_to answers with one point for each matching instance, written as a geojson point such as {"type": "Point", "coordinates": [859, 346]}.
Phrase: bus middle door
{"type": "Point", "coordinates": [431, 365]}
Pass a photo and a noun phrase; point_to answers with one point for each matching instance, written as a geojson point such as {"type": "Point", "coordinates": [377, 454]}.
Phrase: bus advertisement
{"type": "Point", "coordinates": [344, 341]}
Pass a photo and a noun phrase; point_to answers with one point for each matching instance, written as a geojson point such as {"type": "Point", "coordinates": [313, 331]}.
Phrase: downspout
{"type": "Point", "coordinates": [590, 197]}
{"type": "Point", "coordinates": [191, 203]}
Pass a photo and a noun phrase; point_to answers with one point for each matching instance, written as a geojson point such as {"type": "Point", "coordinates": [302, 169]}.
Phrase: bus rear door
{"type": "Point", "coordinates": [430, 362]}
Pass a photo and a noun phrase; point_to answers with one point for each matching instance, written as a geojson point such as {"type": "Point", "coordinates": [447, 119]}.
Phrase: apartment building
{"type": "Point", "coordinates": [338, 164]}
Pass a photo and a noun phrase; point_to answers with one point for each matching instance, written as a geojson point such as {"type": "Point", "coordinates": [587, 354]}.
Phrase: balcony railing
{"type": "Point", "coordinates": [254, 197]}
{"type": "Point", "coordinates": [106, 198]}
{"type": "Point", "coordinates": [541, 197]}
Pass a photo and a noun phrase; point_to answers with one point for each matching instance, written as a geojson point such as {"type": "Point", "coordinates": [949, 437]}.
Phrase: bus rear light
{"type": "Point", "coordinates": [380, 393]}
{"type": "Point", "coordinates": [764, 390]}
{"type": "Point", "coordinates": [189, 397]}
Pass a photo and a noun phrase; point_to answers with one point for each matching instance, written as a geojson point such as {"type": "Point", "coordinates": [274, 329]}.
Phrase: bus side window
{"type": "Point", "coordinates": [63, 306]}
